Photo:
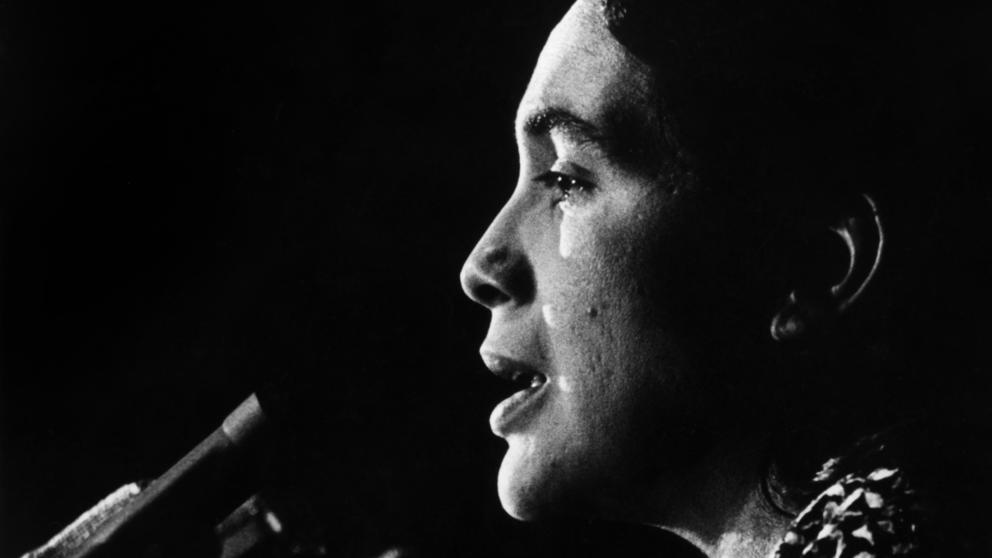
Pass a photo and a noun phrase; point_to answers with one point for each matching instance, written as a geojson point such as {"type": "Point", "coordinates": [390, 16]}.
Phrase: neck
{"type": "Point", "coordinates": [754, 532]}
{"type": "Point", "coordinates": [729, 516]}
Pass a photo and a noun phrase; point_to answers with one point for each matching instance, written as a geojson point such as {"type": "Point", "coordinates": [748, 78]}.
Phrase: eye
{"type": "Point", "coordinates": [566, 185]}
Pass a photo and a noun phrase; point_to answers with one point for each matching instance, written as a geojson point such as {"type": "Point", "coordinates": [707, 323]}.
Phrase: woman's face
{"type": "Point", "coordinates": [583, 271]}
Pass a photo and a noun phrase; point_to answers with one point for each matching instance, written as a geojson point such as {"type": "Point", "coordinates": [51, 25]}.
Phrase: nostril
{"type": "Point", "coordinates": [482, 289]}
{"type": "Point", "coordinates": [497, 272]}
{"type": "Point", "coordinates": [489, 295]}
{"type": "Point", "coordinates": [494, 281]}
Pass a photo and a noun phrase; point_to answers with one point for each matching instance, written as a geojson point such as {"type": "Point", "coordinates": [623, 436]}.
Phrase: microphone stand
{"type": "Point", "coordinates": [178, 511]}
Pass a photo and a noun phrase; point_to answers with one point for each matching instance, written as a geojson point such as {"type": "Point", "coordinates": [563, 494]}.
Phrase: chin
{"type": "Point", "coordinates": [519, 499]}
{"type": "Point", "coordinates": [517, 493]}
{"type": "Point", "coordinates": [528, 488]}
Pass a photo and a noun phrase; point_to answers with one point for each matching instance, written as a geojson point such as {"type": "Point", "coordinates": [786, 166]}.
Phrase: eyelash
{"type": "Point", "coordinates": [567, 185]}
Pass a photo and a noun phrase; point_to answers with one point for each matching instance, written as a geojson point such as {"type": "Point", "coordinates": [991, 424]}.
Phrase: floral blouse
{"type": "Point", "coordinates": [859, 516]}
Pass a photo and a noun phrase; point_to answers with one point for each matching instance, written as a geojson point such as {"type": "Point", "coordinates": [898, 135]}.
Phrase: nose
{"type": "Point", "coordinates": [498, 272]}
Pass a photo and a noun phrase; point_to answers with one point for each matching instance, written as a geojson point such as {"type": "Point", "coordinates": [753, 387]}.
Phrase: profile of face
{"type": "Point", "coordinates": [582, 271]}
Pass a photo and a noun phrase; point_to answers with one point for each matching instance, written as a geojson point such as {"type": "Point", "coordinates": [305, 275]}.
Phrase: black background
{"type": "Point", "coordinates": [200, 198]}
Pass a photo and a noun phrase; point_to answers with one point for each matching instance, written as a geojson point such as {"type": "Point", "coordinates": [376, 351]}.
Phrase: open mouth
{"type": "Point", "coordinates": [514, 410]}
{"type": "Point", "coordinates": [526, 379]}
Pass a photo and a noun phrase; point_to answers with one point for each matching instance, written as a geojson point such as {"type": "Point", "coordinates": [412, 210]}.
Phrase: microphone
{"type": "Point", "coordinates": [337, 397]}
{"type": "Point", "coordinates": [182, 506]}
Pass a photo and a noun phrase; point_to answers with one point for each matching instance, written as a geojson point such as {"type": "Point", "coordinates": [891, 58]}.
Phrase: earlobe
{"type": "Point", "coordinates": [814, 306]}
{"type": "Point", "coordinates": [795, 317]}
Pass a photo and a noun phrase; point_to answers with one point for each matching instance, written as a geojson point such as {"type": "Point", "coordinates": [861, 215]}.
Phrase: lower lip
{"type": "Point", "coordinates": [515, 410]}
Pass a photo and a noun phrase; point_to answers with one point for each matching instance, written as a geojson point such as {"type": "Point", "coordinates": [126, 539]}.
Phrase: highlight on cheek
{"type": "Point", "coordinates": [564, 384]}
{"type": "Point", "coordinates": [550, 316]}
{"type": "Point", "coordinates": [571, 237]}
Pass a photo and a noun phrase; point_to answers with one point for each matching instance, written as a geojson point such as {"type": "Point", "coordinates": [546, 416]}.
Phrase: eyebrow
{"type": "Point", "coordinates": [546, 120]}
{"type": "Point", "coordinates": [624, 139]}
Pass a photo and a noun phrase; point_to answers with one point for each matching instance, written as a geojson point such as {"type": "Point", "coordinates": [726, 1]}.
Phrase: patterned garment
{"type": "Point", "coordinates": [859, 516]}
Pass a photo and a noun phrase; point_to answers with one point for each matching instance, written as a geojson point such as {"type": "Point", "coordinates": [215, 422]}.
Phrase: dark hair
{"type": "Point", "coordinates": [783, 106]}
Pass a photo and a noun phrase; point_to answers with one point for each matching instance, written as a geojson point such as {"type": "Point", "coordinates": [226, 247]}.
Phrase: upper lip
{"type": "Point", "coordinates": [509, 368]}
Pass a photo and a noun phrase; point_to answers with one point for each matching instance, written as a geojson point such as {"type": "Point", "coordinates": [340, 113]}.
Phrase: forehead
{"type": "Point", "coordinates": [584, 70]}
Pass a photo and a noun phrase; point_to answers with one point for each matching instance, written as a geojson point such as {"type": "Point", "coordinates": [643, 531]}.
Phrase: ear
{"type": "Point", "coordinates": [818, 300]}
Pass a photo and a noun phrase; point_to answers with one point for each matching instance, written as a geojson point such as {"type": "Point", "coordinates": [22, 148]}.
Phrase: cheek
{"type": "Point", "coordinates": [593, 271]}
{"type": "Point", "coordinates": [587, 312]}
{"type": "Point", "coordinates": [575, 285]}
{"type": "Point", "coordinates": [598, 317]}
